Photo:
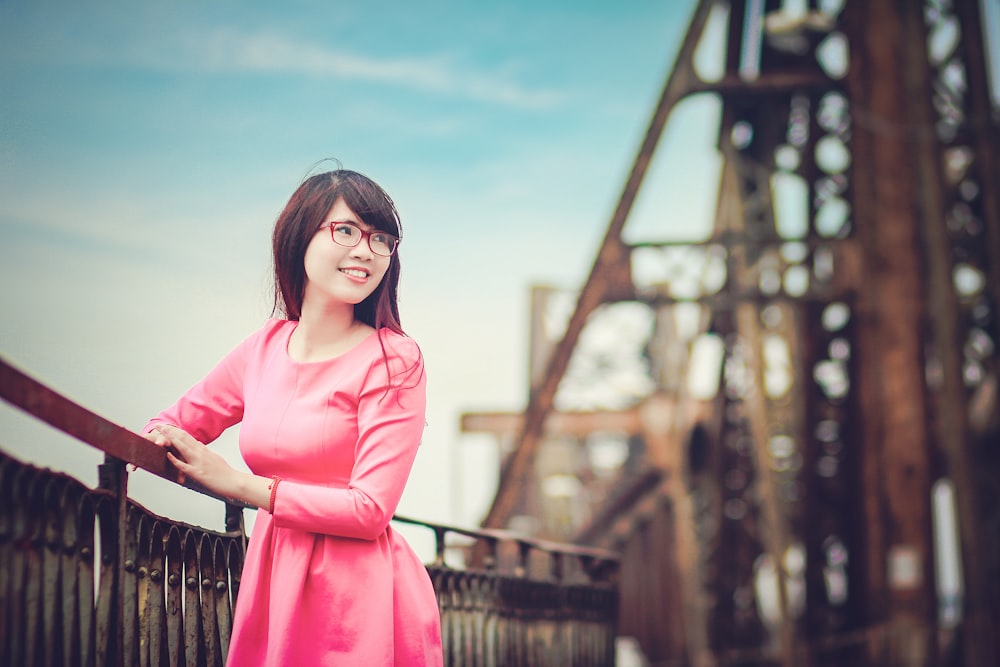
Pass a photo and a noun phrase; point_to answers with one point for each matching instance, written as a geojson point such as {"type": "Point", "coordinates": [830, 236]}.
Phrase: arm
{"type": "Point", "coordinates": [196, 461]}
{"type": "Point", "coordinates": [390, 425]}
{"type": "Point", "coordinates": [199, 417]}
{"type": "Point", "coordinates": [213, 404]}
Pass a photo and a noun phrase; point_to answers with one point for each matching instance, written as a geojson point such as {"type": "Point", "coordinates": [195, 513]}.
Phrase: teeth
{"type": "Point", "coordinates": [357, 273]}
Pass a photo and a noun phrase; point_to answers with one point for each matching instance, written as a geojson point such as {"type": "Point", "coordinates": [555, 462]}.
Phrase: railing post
{"type": "Point", "coordinates": [113, 477]}
{"type": "Point", "coordinates": [235, 522]}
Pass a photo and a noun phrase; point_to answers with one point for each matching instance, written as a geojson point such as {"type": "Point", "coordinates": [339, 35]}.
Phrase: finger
{"type": "Point", "coordinates": [179, 452]}
{"type": "Point", "coordinates": [165, 432]}
{"type": "Point", "coordinates": [179, 441]}
{"type": "Point", "coordinates": [177, 435]}
{"type": "Point", "coordinates": [181, 477]}
{"type": "Point", "coordinates": [176, 444]}
{"type": "Point", "coordinates": [155, 437]}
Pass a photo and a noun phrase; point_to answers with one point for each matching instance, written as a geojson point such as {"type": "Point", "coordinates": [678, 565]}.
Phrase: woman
{"type": "Point", "coordinates": [331, 399]}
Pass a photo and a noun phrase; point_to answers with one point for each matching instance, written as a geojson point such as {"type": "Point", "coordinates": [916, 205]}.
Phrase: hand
{"type": "Point", "coordinates": [194, 460]}
{"type": "Point", "coordinates": [155, 438]}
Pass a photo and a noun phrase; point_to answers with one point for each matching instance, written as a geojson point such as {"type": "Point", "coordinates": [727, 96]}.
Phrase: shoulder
{"type": "Point", "coordinates": [274, 324]}
{"type": "Point", "coordinates": [399, 345]}
{"type": "Point", "coordinates": [272, 329]}
{"type": "Point", "coordinates": [266, 336]}
{"type": "Point", "coordinates": [397, 354]}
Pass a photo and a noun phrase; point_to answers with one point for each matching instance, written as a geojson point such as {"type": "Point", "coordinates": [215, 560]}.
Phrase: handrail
{"type": "Point", "coordinates": [51, 407]}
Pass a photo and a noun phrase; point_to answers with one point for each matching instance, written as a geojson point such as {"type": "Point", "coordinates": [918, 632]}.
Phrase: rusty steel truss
{"type": "Point", "coordinates": [798, 514]}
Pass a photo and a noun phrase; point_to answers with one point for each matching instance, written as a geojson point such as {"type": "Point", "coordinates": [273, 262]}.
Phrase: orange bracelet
{"type": "Point", "coordinates": [274, 489]}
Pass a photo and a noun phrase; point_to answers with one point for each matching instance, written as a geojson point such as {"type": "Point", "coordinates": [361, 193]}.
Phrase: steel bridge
{"type": "Point", "coordinates": [803, 399]}
{"type": "Point", "coordinates": [803, 466]}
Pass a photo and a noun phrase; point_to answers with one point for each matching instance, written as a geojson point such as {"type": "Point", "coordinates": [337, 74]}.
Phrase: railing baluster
{"type": "Point", "coordinates": [15, 578]}
{"type": "Point", "coordinates": [7, 575]}
{"type": "Point", "coordinates": [174, 571]}
{"type": "Point", "coordinates": [156, 602]}
{"type": "Point", "coordinates": [66, 539]}
{"type": "Point", "coordinates": [209, 626]}
{"type": "Point", "coordinates": [31, 611]}
{"type": "Point", "coordinates": [129, 591]}
{"type": "Point", "coordinates": [82, 593]}
{"type": "Point", "coordinates": [220, 597]}
{"type": "Point", "coordinates": [106, 638]}
{"type": "Point", "coordinates": [49, 557]}
{"type": "Point", "coordinates": [193, 644]}
{"type": "Point", "coordinates": [143, 597]}
{"type": "Point", "coordinates": [491, 627]}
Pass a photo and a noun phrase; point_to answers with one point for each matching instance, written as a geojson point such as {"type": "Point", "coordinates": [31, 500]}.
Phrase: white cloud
{"type": "Point", "coordinates": [231, 50]}
{"type": "Point", "coordinates": [228, 50]}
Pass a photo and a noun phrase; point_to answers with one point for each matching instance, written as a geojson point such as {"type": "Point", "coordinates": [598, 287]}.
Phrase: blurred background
{"type": "Point", "coordinates": [773, 391]}
{"type": "Point", "coordinates": [145, 150]}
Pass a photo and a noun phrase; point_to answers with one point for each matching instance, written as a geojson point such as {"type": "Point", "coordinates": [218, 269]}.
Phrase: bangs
{"type": "Point", "coordinates": [372, 205]}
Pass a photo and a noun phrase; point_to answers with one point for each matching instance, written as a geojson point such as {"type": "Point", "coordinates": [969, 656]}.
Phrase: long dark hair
{"type": "Point", "coordinates": [297, 224]}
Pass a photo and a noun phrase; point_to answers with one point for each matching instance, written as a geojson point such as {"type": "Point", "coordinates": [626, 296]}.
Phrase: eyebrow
{"type": "Point", "coordinates": [357, 223]}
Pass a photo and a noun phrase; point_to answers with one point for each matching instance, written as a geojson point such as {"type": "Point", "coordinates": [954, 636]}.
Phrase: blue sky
{"type": "Point", "coordinates": [145, 149]}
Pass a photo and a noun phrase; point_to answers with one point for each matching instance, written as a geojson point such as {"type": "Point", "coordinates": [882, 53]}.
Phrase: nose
{"type": "Point", "coordinates": [363, 250]}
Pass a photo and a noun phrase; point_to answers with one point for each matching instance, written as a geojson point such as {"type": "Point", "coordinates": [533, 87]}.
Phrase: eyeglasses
{"type": "Point", "coordinates": [349, 234]}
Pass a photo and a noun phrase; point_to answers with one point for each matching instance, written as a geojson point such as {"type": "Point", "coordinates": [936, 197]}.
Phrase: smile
{"type": "Point", "coordinates": [355, 273]}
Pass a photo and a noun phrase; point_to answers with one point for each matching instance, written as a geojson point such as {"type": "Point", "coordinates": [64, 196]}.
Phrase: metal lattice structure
{"type": "Point", "coordinates": [850, 286]}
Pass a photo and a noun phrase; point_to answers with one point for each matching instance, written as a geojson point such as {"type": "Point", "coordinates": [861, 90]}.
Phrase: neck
{"type": "Point", "coordinates": [326, 323]}
{"type": "Point", "coordinates": [325, 333]}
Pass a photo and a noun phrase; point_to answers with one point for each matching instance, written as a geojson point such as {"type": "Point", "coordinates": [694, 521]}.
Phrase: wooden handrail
{"type": "Point", "coordinates": [51, 407]}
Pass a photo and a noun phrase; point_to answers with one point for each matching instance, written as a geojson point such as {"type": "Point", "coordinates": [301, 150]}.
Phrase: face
{"type": "Point", "coordinates": [337, 273]}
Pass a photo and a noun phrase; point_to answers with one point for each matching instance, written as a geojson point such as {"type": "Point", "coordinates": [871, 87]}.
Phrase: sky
{"type": "Point", "coordinates": [146, 148]}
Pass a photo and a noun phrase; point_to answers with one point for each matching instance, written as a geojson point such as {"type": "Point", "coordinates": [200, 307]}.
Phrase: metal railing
{"type": "Point", "coordinates": [87, 579]}
{"type": "Point", "coordinates": [90, 577]}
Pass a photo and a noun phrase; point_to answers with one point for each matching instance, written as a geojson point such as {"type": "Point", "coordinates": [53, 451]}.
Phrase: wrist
{"type": "Point", "coordinates": [256, 490]}
{"type": "Point", "coordinates": [272, 493]}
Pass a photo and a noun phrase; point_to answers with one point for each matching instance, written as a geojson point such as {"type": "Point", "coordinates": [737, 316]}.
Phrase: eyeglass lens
{"type": "Point", "coordinates": [348, 235]}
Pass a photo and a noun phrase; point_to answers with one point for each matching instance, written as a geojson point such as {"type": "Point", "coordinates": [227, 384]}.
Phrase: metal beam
{"type": "Point", "coordinates": [610, 260]}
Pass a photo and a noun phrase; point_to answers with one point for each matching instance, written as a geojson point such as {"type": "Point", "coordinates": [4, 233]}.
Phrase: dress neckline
{"type": "Point", "coordinates": [293, 325]}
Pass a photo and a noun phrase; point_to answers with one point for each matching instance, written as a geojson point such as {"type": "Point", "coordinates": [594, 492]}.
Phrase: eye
{"type": "Point", "coordinates": [384, 239]}
{"type": "Point", "coordinates": [346, 230]}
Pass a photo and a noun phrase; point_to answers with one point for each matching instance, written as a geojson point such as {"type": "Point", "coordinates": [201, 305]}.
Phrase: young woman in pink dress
{"type": "Point", "coordinates": [330, 399]}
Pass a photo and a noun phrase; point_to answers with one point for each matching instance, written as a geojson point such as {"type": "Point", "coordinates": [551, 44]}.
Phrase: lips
{"type": "Point", "coordinates": [359, 274]}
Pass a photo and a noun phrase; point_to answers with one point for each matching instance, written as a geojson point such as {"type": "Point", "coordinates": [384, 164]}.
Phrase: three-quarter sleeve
{"type": "Point", "coordinates": [391, 414]}
{"type": "Point", "coordinates": [213, 404]}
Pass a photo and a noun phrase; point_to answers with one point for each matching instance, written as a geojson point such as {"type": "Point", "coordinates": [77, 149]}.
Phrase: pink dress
{"type": "Point", "coordinates": [326, 580]}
